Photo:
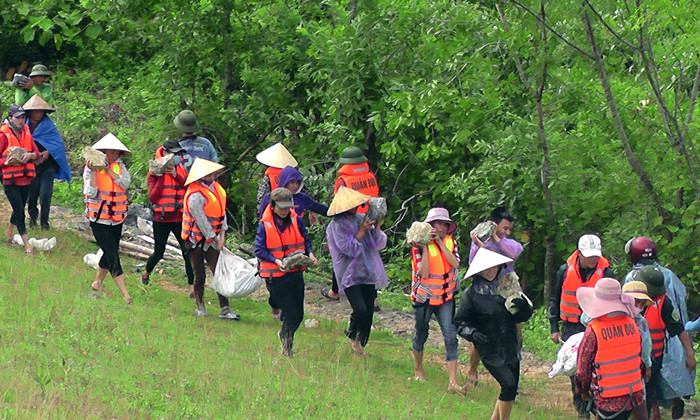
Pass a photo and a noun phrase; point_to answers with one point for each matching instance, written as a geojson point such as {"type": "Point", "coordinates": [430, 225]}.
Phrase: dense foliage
{"type": "Point", "coordinates": [578, 116]}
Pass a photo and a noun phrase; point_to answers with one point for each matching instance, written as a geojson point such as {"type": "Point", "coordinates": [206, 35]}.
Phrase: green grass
{"type": "Point", "coordinates": [65, 355]}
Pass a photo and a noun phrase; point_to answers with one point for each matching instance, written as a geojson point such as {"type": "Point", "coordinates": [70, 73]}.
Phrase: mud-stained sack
{"type": "Point", "coordinates": [95, 158]}
{"type": "Point", "coordinates": [161, 165]}
{"type": "Point", "coordinates": [14, 155]}
{"type": "Point", "coordinates": [377, 208]}
{"type": "Point", "coordinates": [419, 232]}
{"type": "Point", "coordinates": [234, 277]}
{"type": "Point", "coordinates": [566, 358]}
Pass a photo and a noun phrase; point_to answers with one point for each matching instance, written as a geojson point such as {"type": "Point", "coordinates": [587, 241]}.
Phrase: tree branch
{"type": "Point", "coordinates": [557, 34]}
{"type": "Point", "coordinates": [610, 29]}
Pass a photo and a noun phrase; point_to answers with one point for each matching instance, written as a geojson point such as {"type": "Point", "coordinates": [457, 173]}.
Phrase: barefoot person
{"type": "Point", "coordinates": [166, 192]}
{"type": "Point", "coordinates": [106, 207]}
{"type": "Point", "coordinates": [204, 227]}
{"type": "Point", "coordinates": [281, 232]}
{"type": "Point", "coordinates": [354, 243]}
{"type": "Point", "coordinates": [433, 286]}
{"type": "Point", "coordinates": [489, 322]}
{"type": "Point", "coordinates": [17, 173]}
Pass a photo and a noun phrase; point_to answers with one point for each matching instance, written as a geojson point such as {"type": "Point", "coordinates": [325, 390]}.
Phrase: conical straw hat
{"type": "Point", "coordinates": [37, 103]}
{"type": "Point", "coordinates": [111, 142]}
{"type": "Point", "coordinates": [485, 259]}
{"type": "Point", "coordinates": [276, 156]}
{"type": "Point", "coordinates": [346, 199]}
{"type": "Point", "coordinates": [201, 168]}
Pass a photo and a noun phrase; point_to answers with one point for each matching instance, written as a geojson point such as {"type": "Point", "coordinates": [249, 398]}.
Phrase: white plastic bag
{"type": "Point", "coordinates": [676, 380]}
{"type": "Point", "coordinates": [234, 277]}
{"type": "Point", "coordinates": [566, 358]}
{"type": "Point", "coordinates": [93, 260]}
{"type": "Point", "coordinates": [45, 244]}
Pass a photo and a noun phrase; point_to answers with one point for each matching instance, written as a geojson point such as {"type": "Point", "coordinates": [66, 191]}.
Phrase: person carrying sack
{"type": "Point", "coordinates": [106, 207]}
{"type": "Point", "coordinates": [166, 194]}
{"type": "Point", "coordinates": [204, 227]}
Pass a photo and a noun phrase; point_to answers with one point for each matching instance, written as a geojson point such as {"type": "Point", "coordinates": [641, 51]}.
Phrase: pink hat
{"type": "Point", "coordinates": [604, 298]}
{"type": "Point", "coordinates": [440, 214]}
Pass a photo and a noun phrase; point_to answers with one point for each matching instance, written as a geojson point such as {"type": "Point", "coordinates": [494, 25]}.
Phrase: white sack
{"type": "Point", "coordinates": [566, 358]}
{"type": "Point", "coordinates": [234, 277]}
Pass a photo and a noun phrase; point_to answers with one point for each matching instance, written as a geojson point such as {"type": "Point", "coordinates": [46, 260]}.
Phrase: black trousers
{"type": "Point", "coordinates": [361, 298]}
{"type": "Point", "coordinates": [108, 237]}
{"type": "Point", "coordinates": [567, 330]}
{"type": "Point", "coordinates": [507, 377]}
{"type": "Point", "coordinates": [17, 196]}
{"type": "Point", "coordinates": [288, 293]}
{"type": "Point", "coordinates": [161, 231]}
{"type": "Point", "coordinates": [41, 189]}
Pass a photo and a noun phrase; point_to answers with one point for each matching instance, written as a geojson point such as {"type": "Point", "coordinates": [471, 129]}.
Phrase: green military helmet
{"type": "Point", "coordinates": [653, 278]}
{"type": "Point", "coordinates": [40, 70]}
{"type": "Point", "coordinates": [186, 121]}
{"type": "Point", "coordinates": [351, 155]}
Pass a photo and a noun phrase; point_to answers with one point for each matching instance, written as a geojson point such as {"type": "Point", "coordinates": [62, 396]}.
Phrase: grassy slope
{"type": "Point", "coordinates": [66, 356]}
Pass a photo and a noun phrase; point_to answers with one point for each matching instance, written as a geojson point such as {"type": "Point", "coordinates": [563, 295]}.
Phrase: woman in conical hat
{"type": "Point", "coordinates": [106, 208]}
{"type": "Point", "coordinates": [354, 243]}
{"type": "Point", "coordinates": [51, 164]}
{"type": "Point", "coordinates": [276, 158]}
{"type": "Point", "coordinates": [489, 321]}
{"type": "Point", "coordinates": [204, 227]}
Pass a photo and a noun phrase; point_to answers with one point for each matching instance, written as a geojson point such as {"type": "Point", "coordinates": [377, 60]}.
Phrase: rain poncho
{"type": "Point", "coordinates": [676, 381]}
{"type": "Point", "coordinates": [356, 262]}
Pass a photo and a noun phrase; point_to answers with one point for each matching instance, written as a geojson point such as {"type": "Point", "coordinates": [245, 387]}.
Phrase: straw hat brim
{"type": "Point", "coordinates": [37, 103]}
{"type": "Point", "coordinates": [111, 142]}
{"type": "Point", "coordinates": [485, 259]}
{"type": "Point", "coordinates": [201, 168]}
{"type": "Point", "coordinates": [346, 199]}
{"type": "Point", "coordinates": [276, 156]}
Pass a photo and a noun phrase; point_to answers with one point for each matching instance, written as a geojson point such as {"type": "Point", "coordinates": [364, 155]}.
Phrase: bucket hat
{"type": "Point", "coordinates": [653, 278]}
{"type": "Point", "coordinates": [589, 246]}
{"type": "Point", "coordinates": [283, 198]}
{"type": "Point", "coordinates": [485, 259]}
{"type": "Point", "coordinates": [276, 156]}
{"type": "Point", "coordinates": [111, 142]}
{"type": "Point", "coordinates": [40, 70]}
{"type": "Point", "coordinates": [351, 155]}
{"type": "Point", "coordinates": [201, 168]}
{"type": "Point", "coordinates": [638, 290]}
{"type": "Point", "coordinates": [604, 298]}
{"type": "Point", "coordinates": [186, 121]}
{"type": "Point", "coordinates": [36, 103]}
{"type": "Point", "coordinates": [442, 215]}
{"type": "Point", "coordinates": [346, 199]}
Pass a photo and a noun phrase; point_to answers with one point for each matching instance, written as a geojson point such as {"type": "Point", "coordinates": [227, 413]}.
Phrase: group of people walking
{"type": "Point", "coordinates": [632, 335]}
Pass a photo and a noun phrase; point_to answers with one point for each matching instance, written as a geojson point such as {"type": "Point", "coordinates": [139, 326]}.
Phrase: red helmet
{"type": "Point", "coordinates": [642, 248]}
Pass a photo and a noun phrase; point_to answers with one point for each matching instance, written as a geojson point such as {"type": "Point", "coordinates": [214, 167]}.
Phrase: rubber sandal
{"type": "Point", "coordinates": [145, 280]}
{"type": "Point", "coordinates": [29, 251]}
{"type": "Point", "coordinates": [473, 382]}
{"type": "Point", "coordinates": [326, 294]}
{"type": "Point", "coordinates": [9, 241]}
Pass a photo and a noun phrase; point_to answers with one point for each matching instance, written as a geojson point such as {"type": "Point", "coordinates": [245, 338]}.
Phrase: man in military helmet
{"type": "Point", "coordinates": [38, 83]}
{"type": "Point", "coordinates": [195, 146]}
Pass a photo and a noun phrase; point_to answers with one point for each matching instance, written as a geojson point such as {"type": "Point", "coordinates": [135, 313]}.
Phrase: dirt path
{"type": "Point", "coordinates": [542, 391]}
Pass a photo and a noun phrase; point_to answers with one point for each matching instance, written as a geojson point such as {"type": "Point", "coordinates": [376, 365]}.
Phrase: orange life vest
{"type": "Point", "coordinates": [273, 174]}
{"type": "Point", "coordinates": [111, 200]}
{"type": "Point", "coordinates": [214, 208]}
{"type": "Point", "coordinates": [280, 244]}
{"type": "Point", "coordinates": [9, 173]}
{"type": "Point", "coordinates": [657, 326]}
{"type": "Point", "coordinates": [171, 197]}
{"type": "Point", "coordinates": [617, 369]}
{"type": "Point", "coordinates": [440, 285]}
{"type": "Point", "coordinates": [569, 309]}
{"type": "Point", "coordinates": [358, 177]}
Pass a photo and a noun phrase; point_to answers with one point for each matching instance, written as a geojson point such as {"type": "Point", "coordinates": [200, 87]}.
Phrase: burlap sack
{"type": "Point", "coordinates": [483, 230]}
{"type": "Point", "coordinates": [19, 80]}
{"type": "Point", "coordinates": [508, 285]}
{"type": "Point", "coordinates": [297, 259]}
{"type": "Point", "coordinates": [95, 158]}
{"type": "Point", "coordinates": [419, 232]}
{"type": "Point", "coordinates": [161, 165]}
{"type": "Point", "coordinates": [377, 208]}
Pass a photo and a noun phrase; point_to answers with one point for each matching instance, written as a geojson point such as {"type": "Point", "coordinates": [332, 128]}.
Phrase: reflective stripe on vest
{"type": "Point", "coordinates": [170, 201]}
{"type": "Point", "coordinates": [358, 177]}
{"type": "Point", "coordinates": [569, 309]}
{"type": "Point", "coordinates": [111, 200]}
{"type": "Point", "coordinates": [9, 173]}
{"type": "Point", "coordinates": [657, 326]}
{"type": "Point", "coordinates": [441, 283]}
{"type": "Point", "coordinates": [617, 364]}
{"type": "Point", "coordinates": [214, 208]}
{"type": "Point", "coordinates": [280, 244]}
{"type": "Point", "coordinates": [273, 174]}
